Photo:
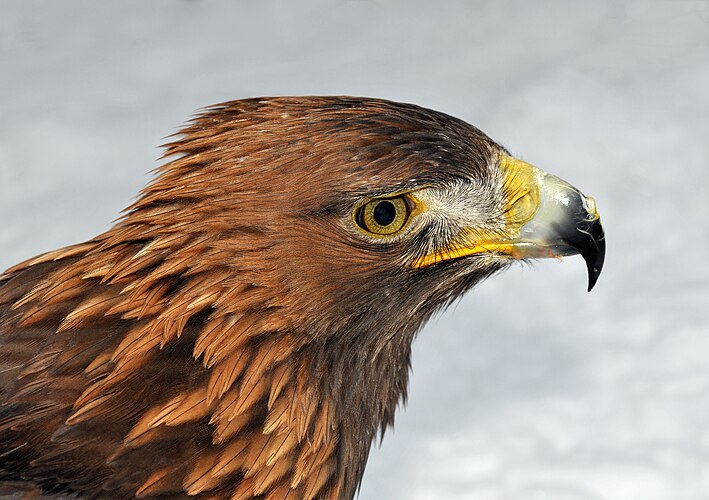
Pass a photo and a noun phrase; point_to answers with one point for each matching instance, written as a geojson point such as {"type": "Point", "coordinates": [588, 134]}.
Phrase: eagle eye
{"type": "Point", "coordinates": [383, 216]}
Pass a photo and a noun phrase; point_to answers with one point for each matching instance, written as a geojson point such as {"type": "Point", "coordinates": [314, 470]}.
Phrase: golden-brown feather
{"type": "Point", "coordinates": [222, 340]}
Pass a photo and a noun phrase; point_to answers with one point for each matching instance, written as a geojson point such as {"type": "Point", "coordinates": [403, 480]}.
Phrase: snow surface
{"type": "Point", "coordinates": [529, 388]}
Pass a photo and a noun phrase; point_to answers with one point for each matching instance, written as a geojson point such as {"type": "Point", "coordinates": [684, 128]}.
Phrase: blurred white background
{"type": "Point", "coordinates": [529, 388]}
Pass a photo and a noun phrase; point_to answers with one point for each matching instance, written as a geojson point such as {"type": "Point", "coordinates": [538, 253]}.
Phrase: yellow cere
{"type": "Point", "coordinates": [521, 185]}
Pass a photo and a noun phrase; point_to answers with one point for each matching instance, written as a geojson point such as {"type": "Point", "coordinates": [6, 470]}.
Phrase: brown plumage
{"type": "Point", "coordinates": [238, 334]}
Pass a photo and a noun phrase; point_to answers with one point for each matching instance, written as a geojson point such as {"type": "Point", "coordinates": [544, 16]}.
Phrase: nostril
{"type": "Point", "coordinates": [522, 209]}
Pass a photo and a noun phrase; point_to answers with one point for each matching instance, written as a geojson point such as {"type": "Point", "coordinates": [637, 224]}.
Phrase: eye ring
{"type": "Point", "coordinates": [383, 217]}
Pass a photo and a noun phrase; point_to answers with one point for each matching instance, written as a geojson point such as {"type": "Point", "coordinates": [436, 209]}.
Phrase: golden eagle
{"type": "Point", "coordinates": [244, 331]}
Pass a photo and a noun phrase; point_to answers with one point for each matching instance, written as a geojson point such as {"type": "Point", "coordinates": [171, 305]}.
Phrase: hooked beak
{"type": "Point", "coordinates": [566, 223]}
{"type": "Point", "coordinates": [546, 217]}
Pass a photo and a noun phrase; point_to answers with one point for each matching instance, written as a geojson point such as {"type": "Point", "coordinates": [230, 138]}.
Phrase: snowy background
{"type": "Point", "coordinates": [529, 388]}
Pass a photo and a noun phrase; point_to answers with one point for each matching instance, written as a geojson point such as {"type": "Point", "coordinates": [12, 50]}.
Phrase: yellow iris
{"type": "Point", "coordinates": [384, 216]}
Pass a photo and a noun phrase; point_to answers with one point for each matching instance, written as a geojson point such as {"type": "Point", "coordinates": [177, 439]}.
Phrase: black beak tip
{"type": "Point", "coordinates": [594, 271]}
{"type": "Point", "coordinates": [593, 251]}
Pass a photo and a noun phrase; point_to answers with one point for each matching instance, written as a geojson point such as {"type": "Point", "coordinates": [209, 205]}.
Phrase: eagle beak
{"type": "Point", "coordinates": [546, 217]}
{"type": "Point", "coordinates": [565, 223]}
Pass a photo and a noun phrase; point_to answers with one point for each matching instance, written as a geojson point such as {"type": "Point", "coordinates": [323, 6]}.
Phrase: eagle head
{"type": "Point", "coordinates": [245, 330]}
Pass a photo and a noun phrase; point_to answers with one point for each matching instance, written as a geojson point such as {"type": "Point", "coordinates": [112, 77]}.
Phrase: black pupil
{"type": "Point", "coordinates": [384, 213]}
